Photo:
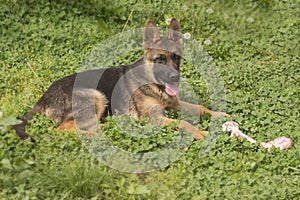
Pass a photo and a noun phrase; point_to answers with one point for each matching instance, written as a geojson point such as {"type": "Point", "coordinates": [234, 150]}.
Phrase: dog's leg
{"type": "Point", "coordinates": [88, 106]}
{"type": "Point", "coordinates": [156, 113]}
{"type": "Point", "coordinates": [70, 125]}
{"type": "Point", "coordinates": [200, 110]}
{"type": "Point", "coordinates": [198, 134]}
{"type": "Point", "coordinates": [67, 125]}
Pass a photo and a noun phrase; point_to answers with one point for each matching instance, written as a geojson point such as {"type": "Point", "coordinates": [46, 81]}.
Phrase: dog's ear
{"type": "Point", "coordinates": [151, 35]}
{"type": "Point", "coordinates": [174, 32]}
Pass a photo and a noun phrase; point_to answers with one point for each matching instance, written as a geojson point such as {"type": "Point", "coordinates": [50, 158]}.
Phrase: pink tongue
{"type": "Point", "coordinates": [171, 89]}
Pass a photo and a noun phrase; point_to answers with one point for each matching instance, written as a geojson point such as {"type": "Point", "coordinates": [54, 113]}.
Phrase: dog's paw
{"type": "Point", "coordinates": [200, 135]}
{"type": "Point", "coordinates": [219, 114]}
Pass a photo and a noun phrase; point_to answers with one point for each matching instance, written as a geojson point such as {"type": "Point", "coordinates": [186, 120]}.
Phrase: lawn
{"type": "Point", "coordinates": [254, 76]}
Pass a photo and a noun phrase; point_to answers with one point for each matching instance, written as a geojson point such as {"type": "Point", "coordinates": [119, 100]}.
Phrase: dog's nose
{"type": "Point", "coordinates": [174, 77]}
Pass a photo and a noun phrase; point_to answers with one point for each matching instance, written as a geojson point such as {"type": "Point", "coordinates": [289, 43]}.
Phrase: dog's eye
{"type": "Point", "coordinates": [161, 59]}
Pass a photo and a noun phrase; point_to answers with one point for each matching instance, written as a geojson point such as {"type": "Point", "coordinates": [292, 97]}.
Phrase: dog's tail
{"type": "Point", "coordinates": [20, 128]}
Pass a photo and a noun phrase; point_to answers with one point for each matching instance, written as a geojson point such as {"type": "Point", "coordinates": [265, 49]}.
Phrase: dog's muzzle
{"type": "Point", "coordinates": [171, 85]}
{"type": "Point", "coordinates": [168, 77]}
{"type": "Point", "coordinates": [173, 77]}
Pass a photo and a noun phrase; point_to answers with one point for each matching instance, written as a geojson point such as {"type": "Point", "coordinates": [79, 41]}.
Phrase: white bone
{"type": "Point", "coordinates": [280, 142]}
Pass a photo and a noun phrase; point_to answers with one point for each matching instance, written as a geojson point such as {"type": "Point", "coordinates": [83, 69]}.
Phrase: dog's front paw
{"type": "Point", "coordinates": [200, 135]}
{"type": "Point", "coordinates": [219, 114]}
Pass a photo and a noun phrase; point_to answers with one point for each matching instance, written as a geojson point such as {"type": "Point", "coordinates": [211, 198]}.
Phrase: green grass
{"type": "Point", "coordinates": [255, 45]}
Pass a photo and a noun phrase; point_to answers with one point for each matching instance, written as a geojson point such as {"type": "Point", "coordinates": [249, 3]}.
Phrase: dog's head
{"type": "Point", "coordinates": [164, 54]}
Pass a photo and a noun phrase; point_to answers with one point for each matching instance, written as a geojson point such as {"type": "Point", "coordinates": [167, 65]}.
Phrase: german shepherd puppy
{"type": "Point", "coordinates": [144, 89]}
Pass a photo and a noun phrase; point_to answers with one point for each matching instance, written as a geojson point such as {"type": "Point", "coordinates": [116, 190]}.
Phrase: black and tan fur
{"type": "Point", "coordinates": [139, 89]}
